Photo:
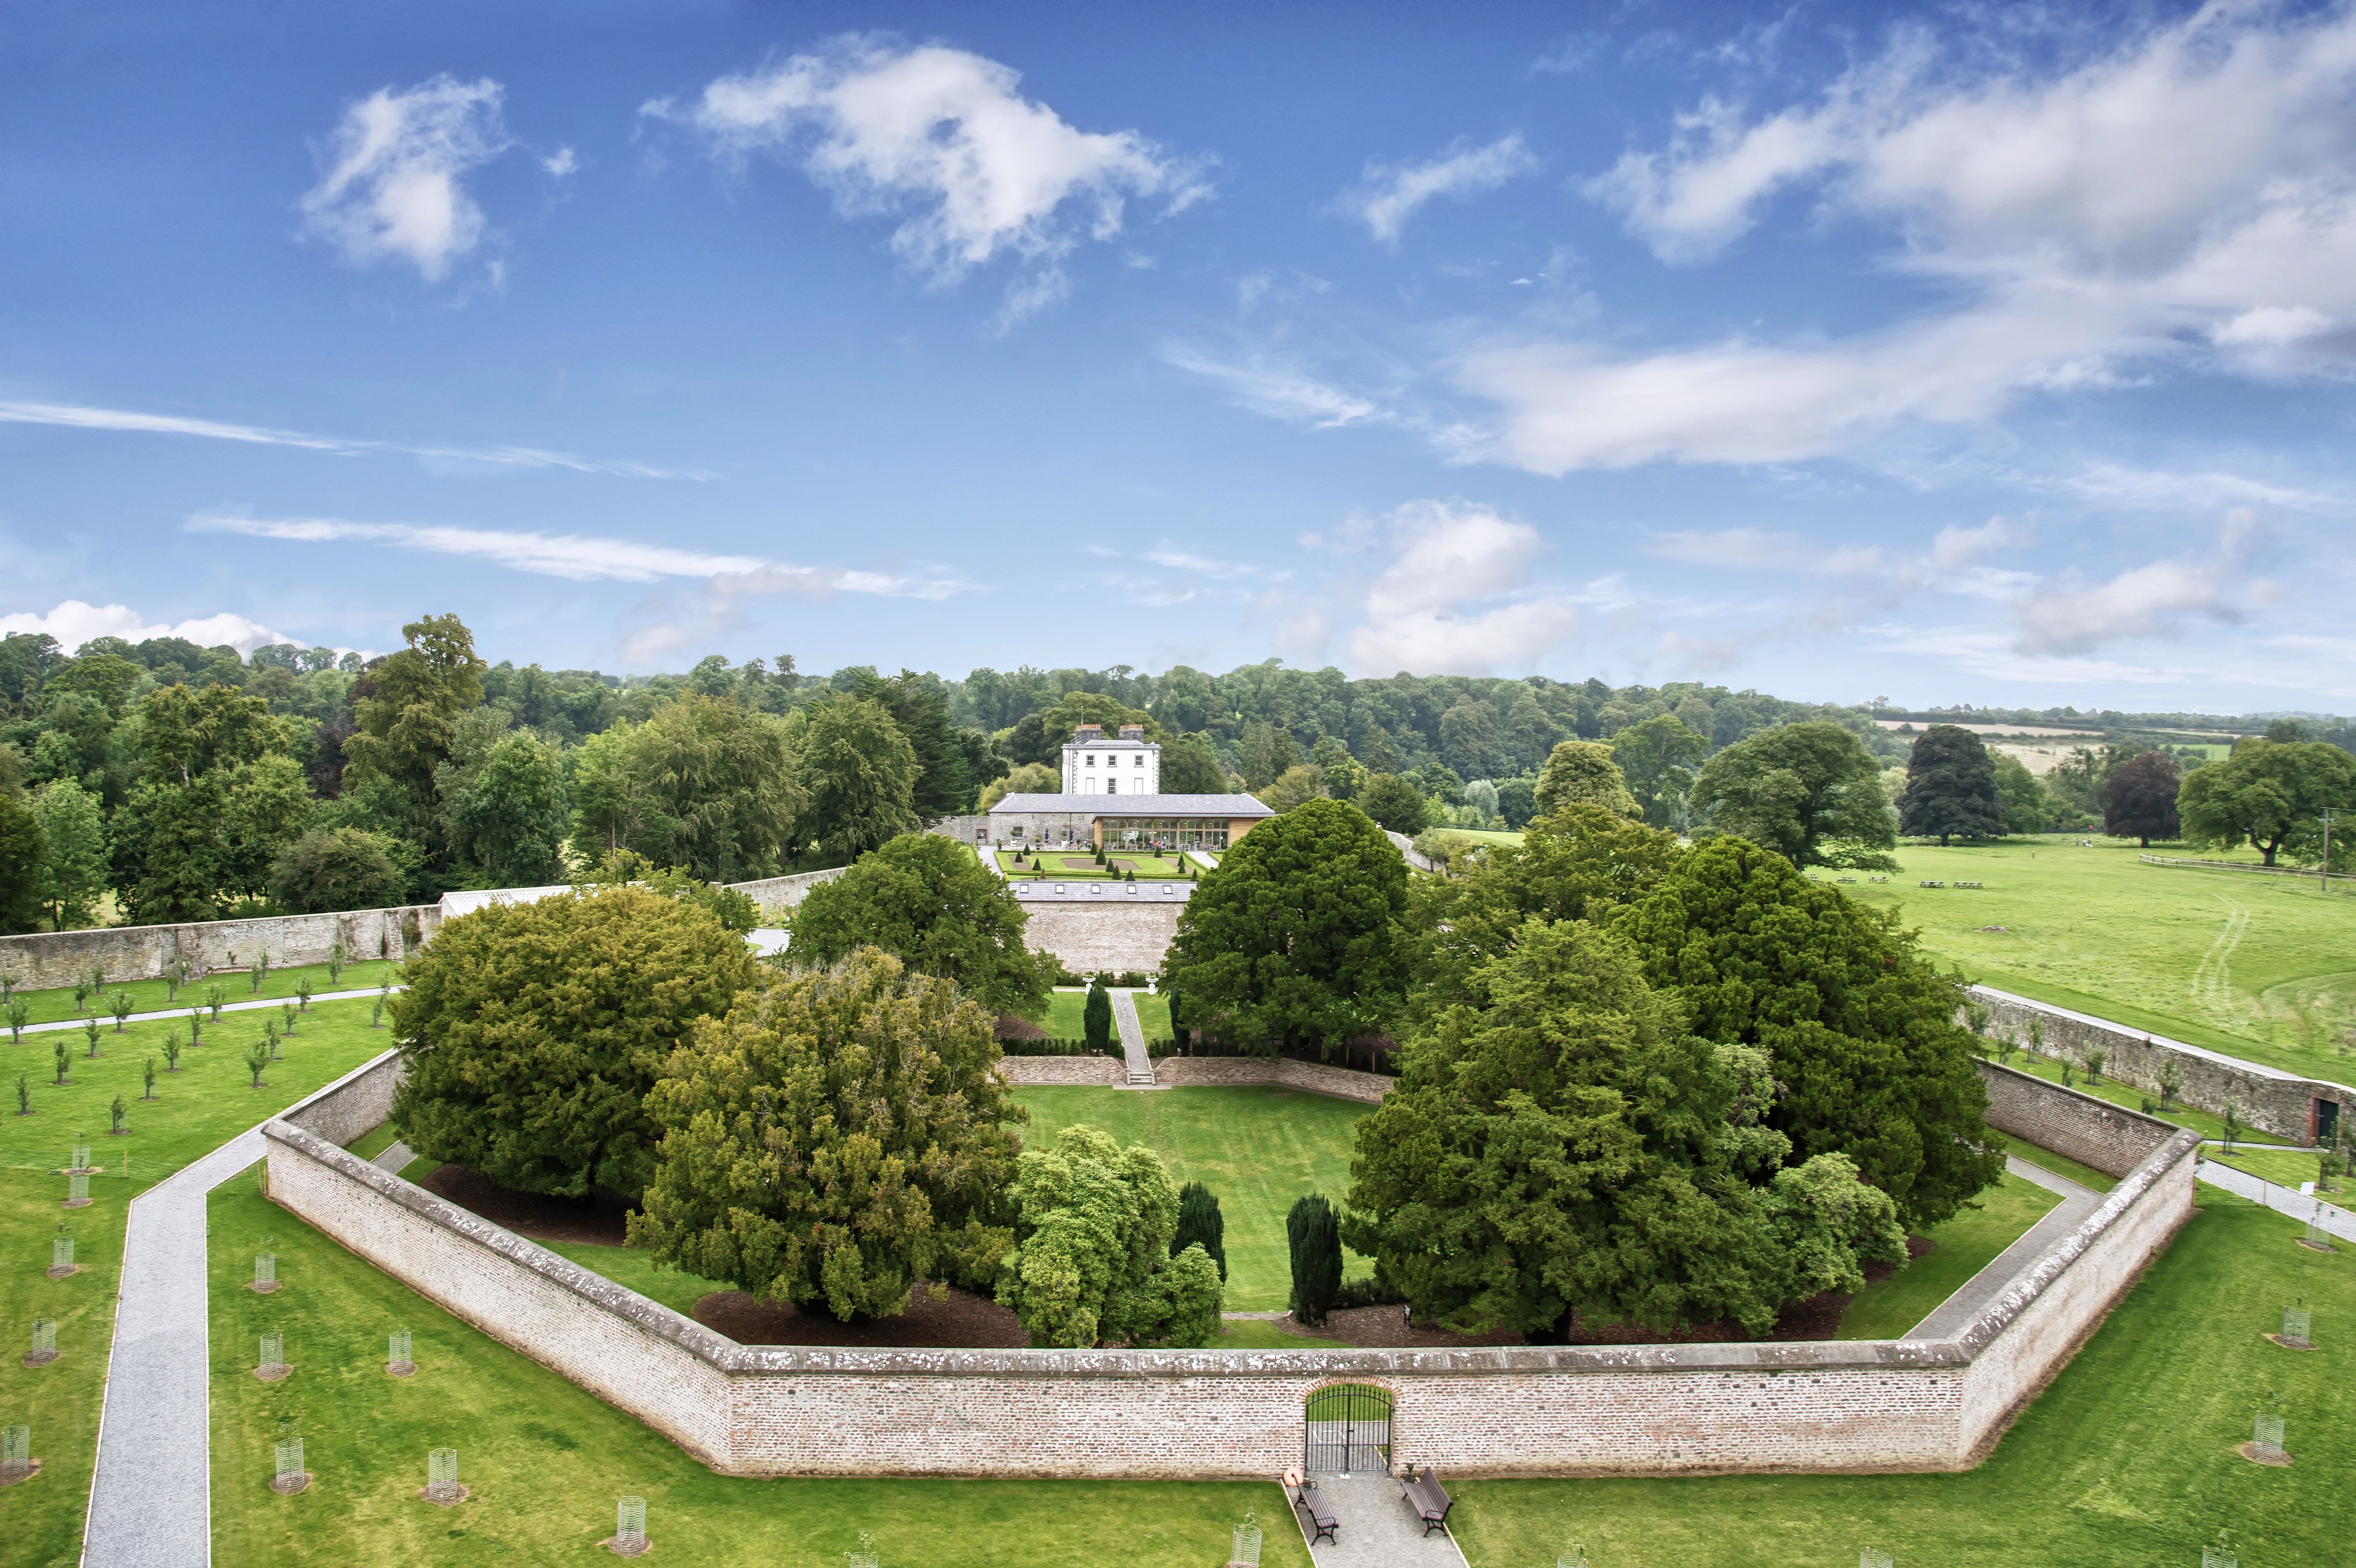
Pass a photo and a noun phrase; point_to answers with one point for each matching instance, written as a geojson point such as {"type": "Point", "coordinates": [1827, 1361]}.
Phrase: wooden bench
{"type": "Point", "coordinates": [1430, 1500]}
{"type": "Point", "coordinates": [1321, 1519]}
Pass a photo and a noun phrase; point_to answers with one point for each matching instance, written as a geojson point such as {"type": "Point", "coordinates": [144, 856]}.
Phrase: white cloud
{"type": "Point", "coordinates": [391, 186]}
{"type": "Point", "coordinates": [2153, 490]}
{"type": "Point", "coordinates": [560, 162]}
{"type": "Point", "coordinates": [75, 416]}
{"type": "Point", "coordinates": [2151, 599]}
{"type": "Point", "coordinates": [1387, 195]}
{"type": "Point", "coordinates": [1279, 391]}
{"type": "Point", "coordinates": [1958, 546]}
{"type": "Point", "coordinates": [1436, 608]}
{"type": "Point", "coordinates": [2186, 199]}
{"type": "Point", "coordinates": [943, 136]}
{"type": "Point", "coordinates": [73, 623]}
{"type": "Point", "coordinates": [1202, 566]}
{"type": "Point", "coordinates": [586, 559]}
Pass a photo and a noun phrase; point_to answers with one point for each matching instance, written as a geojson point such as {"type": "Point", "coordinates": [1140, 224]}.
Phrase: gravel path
{"type": "Point", "coordinates": [1132, 1039]}
{"type": "Point", "coordinates": [2339, 1221]}
{"type": "Point", "coordinates": [1955, 1314]}
{"type": "Point", "coordinates": [1379, 1528]}
{"type": "Point", "coordinates": [177, 1013]}
{"type": "Point", "coordinates": [150, 1501]}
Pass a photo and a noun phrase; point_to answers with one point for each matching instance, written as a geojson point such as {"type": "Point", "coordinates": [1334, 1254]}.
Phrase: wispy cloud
{"type": "Point", "coordinates": [1387, 195]}
{"type": "Point", "coordinates": [73, 623]}
{"type": "Point", "coordinates": [2153, 490]}
{"type": "Point", "coordinates": [944, 137]}
{"type": "Point", "coordinates": [1279, 391]}
{"type": "Point", "coordinates": [391, 185]}
{"type": "Point", "coordinates": [1456, 597]}
{"type": "Point", "coordinates": [77, 417]}
{"type": "Point", "coordinates": [1201, 566]}
{"type": "Point", "coordinates": [2152, 599]}
{"type": "Point", "coordinates": [587, 560]}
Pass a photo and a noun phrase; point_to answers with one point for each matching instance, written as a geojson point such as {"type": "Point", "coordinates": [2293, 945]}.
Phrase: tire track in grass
{"type": "Point", "coordinates": [2212, 977]}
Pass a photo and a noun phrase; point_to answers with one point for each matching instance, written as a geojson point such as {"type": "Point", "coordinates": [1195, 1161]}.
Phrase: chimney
{"type": "Point", "coordinates": [1087, 734]}
{"type": "Point", "coordinates": [1132, 731]}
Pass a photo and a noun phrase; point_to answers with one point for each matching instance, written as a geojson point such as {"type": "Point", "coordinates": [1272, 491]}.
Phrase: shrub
{"type": "Point", "coordinates": [1092, 1262]}
{"type": "Point", "coordinates": [332, 869]}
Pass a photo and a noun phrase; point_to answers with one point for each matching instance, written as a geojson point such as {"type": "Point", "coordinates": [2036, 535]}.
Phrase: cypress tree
{"type": "Point", "coordinates": [1096, 1017]}
{"type": "Point", "coordinates": [1200, 1223]}
{"type": "Point", "coordinates": [1315, 1234]}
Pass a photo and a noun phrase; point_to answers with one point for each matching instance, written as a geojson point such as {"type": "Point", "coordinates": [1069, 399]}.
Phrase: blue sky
{"type": "Point", "coordinates": [1959, 354]}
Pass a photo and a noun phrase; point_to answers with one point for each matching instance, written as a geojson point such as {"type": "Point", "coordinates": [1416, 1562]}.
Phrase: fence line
{"type": "Point", "coordinates": [2243, 866]}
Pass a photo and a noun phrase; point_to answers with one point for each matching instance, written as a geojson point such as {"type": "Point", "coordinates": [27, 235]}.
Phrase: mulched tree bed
{"type": "Point", "coordinates": [598, 1220]}
{"type": "Point", "coordinates": [965, 1321]}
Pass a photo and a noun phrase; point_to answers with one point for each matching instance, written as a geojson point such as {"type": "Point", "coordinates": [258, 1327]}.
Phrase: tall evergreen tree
{"type": "Point", "coordinates": [1096, 1017]}
{"type": "Point", "coordinates": [1313, 1232]}
{"type": "Point", "coordinates": [1200, 1224]}
{"type": "Point", "coordinates": [1950, 787]}
{"type": "Point", "coordinates": [944, 785]}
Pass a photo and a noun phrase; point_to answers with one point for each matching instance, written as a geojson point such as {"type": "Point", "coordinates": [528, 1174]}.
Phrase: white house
{"type": "Point", "coordinates": [1095, 765]}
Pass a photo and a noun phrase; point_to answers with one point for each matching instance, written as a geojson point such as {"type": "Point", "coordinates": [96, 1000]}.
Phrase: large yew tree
{"type": "Point", "coordinates": [1296, 936]}
{"type": "Point", "coordinates": [533, 1033]}
{"type": "Point", "coordinates": [1950, 787]}
{"type": "Point", "coordinates": [834, 1139]}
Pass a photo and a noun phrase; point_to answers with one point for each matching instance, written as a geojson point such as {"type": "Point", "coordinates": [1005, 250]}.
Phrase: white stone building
{"type": "Point", "coordinates": [1096, 765]}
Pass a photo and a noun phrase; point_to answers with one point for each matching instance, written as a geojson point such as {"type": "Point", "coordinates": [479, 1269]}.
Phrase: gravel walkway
{"type": "Point", "coordinates": [1378, 1530]}
{"type": "Point", "coordinates": [1955, 1314]}
{"type": "Point", "coordinates": [2339, 1221]}
{"type": "Point", "coordinates": [1132, 1039]}
{"type": "Point", "coordinates": [150, 1501]}
{"type": "Point", "coordinates": [173, 1014]}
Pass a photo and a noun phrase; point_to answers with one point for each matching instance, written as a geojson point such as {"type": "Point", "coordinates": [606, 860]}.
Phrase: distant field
{"type": "Point", "coordinates": [2262, 967]}
{"type": "Point", "coordinates": [1480, 837]}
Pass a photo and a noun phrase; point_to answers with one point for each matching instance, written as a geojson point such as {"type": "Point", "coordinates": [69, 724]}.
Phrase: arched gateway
{"type": "Point", "coordinates": [1346, 1426]}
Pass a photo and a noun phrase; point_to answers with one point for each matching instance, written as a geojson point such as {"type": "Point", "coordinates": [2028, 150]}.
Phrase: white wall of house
{"type": "Point", "coordinates": [1124, 765]}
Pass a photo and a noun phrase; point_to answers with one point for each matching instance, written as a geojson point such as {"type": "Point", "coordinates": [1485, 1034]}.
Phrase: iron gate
{"type": "Point", "coordinates": [1347, 1428]}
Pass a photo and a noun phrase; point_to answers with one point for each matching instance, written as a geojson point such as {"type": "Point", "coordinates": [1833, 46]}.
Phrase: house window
{"type": "Point", "coordinates": [1137, 761]}
{"type": "Point", "coordinates": [1092, 759]}
{"type": "Point", "coordinates": [1112, 787]}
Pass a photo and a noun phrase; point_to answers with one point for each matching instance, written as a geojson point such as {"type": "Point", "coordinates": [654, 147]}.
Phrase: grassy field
{"type": "Point", "coordinates": [545, 1461]}
{"type": "Point", "coordinates": [2127, 1460]}
{"type": "Point", "coordinates": [204, 1105]}
{"type": "Point", "coordinates": [2262, 967]}
{"type": "Point", "coordinates": [2284, 1168]}
{"type": "Point", "coordinates": [57, 1003]}
{"type": "Point", "coordinates": [1967, 1244]}
{"type": "Point", "coordinates": [1257, 1149]}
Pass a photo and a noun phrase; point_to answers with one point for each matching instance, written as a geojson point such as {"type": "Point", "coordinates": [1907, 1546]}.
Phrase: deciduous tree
{"type": "Point", "coordinates": [1395, 804]}
{"type": "Point", "coordinates": [2269, 793]}
{"type": "Point", "coordinates": [833, 1140]}
{"type": "Point", "coordinates": [1657, 758]}
{"type": "Point", "coordinates": [73, 859]}
{"type": "Point", "coordinates": [1092, 1262]}
{"type": "Point", "coordinates": [1581, 773]}
{"type": "Point", "coordinates": [858, 775]}
{"type": "Point", "coordinates": [1190, 766]}
{"type": "Point", "coordinates": [1809, 792]}
{"type": "Point", "coordinates": [928, 902]}
{"type": "Point", "coordinates": [334, 868]}
{"type": "Point", "coordinates": [2139, 798]}
{"type": "Point", "coordinates": [534, 1032]}
{"type": "Point", "coordinates": [2020, 798]}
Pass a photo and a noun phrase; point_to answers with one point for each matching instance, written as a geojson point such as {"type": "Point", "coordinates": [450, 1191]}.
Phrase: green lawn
{"type": "Point", "coordinates": [2285, 1168]}
{"type": "Point", "coordinates": [1064, 1020]}
{"type": "Point", "coordinates": [237, 985]}
{"type": "Point", "coordinates": [1967, 1243]}
{"type": "Point", "coordinates": [2126, 1461]}
{"type": "Point", "coordinates": [1257, 1149]}
{"type": "Point", "coordinates": [545, 1461]}
{"type": "Point", "coordinates": [1067, 867]}
{"type": "Point", "coordinates": [1478, 837]}
{"type": "Point", "coordinates": [199, 1108]}
{"type": "Point", "coordinates": [2062, 1165]}
{"type": "Point", "coordinates": [632, 1268]}
{"type": "Point", "coordinates": [2263, 967]}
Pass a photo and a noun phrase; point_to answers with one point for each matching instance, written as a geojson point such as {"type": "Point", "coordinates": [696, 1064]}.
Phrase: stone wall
{"type": "Point", "coordinates": [1063, 1071]}
{"type": "Point", "coordinates": [1635, 1409]}
{"type": "Point", "coordinates": [2111, 1138]}
{"type": "Point", "coordinates": [43, 959]}
{"type": "Point", "coordinates": [2280, 1102]}
{"type": "Point", "coordinates": [784, 893]}
{"type": "Point", "coordinates": [1103, 938]}
{"type": "Point", "coordinates": [1277, 1072]}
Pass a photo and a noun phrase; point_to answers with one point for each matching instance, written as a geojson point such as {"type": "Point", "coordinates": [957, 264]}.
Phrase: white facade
{"type": "Point", "coordinates": [1094, 764]}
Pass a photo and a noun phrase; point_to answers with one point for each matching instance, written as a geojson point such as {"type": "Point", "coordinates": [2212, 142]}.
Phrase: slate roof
{"type": "Point", "coordinates": [1229, 805]}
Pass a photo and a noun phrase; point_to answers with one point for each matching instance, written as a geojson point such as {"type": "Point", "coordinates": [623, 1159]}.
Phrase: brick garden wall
{"type": "Point", "coordinates": [1103, 938]}
{"type": "Point", "coordinates": [2111, 1138]}
{"type": "Point", "coordinates": [2281, 1102]}
{"type": "Point", "coordinates": [1826, 1406]}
